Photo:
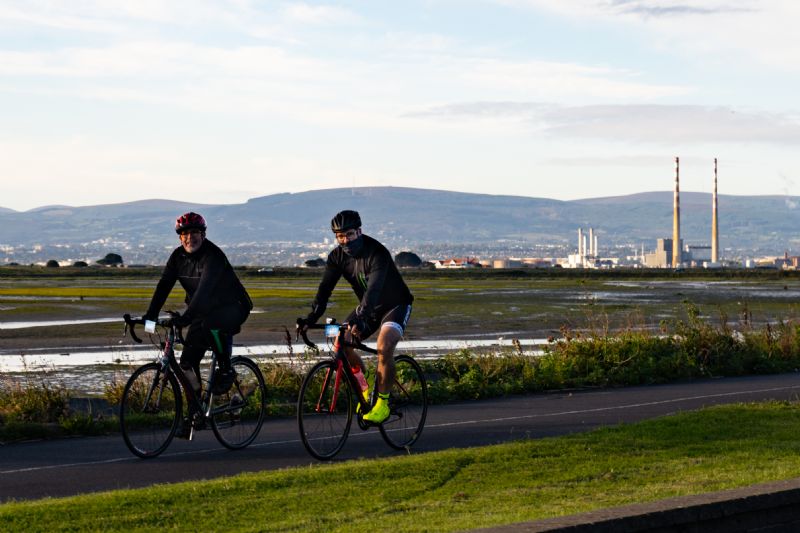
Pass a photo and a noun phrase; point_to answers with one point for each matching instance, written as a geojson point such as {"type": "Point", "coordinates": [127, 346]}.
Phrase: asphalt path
{"type": "Point", "coordinates": [66, 467]}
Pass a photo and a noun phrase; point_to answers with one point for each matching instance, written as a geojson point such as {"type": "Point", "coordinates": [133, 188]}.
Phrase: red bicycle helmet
{"type": "Point", "coordinates": [189, 221]}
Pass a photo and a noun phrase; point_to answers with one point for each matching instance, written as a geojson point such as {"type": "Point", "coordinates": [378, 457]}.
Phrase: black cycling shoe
{"type": "Point", "coordinates": [223, 381]}
{"type": "Point", "coordinates": [184, 430]}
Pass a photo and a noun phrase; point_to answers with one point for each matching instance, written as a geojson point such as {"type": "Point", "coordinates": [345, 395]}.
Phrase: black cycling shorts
{"type": "Point", "coordinates": [396, 318]}
{"type": "Point", "coordinates": [198, 339]}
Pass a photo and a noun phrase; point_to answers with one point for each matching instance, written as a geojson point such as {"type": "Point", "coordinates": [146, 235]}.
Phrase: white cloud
{"type": "Point", "coordinates": [167, 60]}
{"type": "Point", "coordinates": [314, 91]}
{"type": "Point", "coordinates": [93, 15]}
{"type": "Point", "coordinates": [642, 8]}
{"type": "Point", "coordinates": [561, 81]}
{"type": "Point", "coordinates": [269, 79]}
{"type": "Point", "coordinates": [320, 15]}
{"type": "Point", "coordinates": [760, 31]}
{"type": "Point", "coordinates": [682, 124]}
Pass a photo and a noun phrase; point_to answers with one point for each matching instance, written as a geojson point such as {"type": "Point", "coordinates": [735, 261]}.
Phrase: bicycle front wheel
{"type": "Point", "coordinates": [324, 410]}
{"type": "Point", "coordinates": [237, 415]}
{"type": "Point", "coordinates": [150, 410]}
{"type": "Point", "coordinates": [408, 404]}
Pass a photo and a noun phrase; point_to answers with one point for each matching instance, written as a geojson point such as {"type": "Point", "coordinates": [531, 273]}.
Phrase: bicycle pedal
{"type": "Point", "coordinates": [363, 424]}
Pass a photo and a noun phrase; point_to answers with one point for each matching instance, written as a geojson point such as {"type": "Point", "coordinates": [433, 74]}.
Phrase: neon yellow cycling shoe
{"type": "Point", "coordinates": [365, 394]}
{"type": "Point", "coordinates": [380, 411]}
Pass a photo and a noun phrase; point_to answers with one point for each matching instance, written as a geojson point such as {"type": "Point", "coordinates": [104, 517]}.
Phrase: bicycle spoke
{"type": "Point", "coordinates": [150, 410]}
{"type": "Point", "coordinates": [324, 411]}
{"type": "Point", "coordinates": [408, 404]}
{"type": "Point", "coordinates": [237, 415]}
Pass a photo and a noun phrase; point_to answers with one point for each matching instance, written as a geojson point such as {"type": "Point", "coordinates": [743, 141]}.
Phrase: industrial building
{"type": "Point", "coordinates": [663, 255]}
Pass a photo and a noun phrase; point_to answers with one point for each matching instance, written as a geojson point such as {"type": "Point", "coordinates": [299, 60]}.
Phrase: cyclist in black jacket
{"type": "Point", "coordinates": [217, 302]}
{"type": "Point", "coordinates": [384, 301]}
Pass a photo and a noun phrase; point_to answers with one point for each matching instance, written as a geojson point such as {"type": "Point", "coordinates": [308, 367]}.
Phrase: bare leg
{"type": "Point", "coordinates": [354, 359]}
{"type": "Point", "coordinates": [387, 342]}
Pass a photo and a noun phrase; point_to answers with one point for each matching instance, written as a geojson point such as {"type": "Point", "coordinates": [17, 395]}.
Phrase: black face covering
{"type": "Point", "coordinates": [353, 247]}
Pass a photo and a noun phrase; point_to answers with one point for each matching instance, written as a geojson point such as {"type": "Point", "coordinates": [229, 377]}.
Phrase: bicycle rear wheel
{"type": "Point", "coordinates": [408, 404]}
{"type": "Point", "coordinates": [150, 410]}
{"type": "Point", "coordinates": [324, 411]}
{"type": "Point", "coordinates": [237, 415]}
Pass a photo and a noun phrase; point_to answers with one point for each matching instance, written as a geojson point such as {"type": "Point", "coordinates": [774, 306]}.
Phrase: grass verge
{"type": "Point", "coordinates": [688, 453]}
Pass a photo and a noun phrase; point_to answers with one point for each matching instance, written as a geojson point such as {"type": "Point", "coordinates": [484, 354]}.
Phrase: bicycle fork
{"type": "Point", "coordinates": [337, 380]}
{"type": "Point", "coordinates": [156, 387]}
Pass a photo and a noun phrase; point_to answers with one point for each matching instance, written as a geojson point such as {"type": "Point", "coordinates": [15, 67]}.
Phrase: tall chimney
{"type": "Point", "coordinates": [580, 242]}
{"type": "Point", "coordinates": [714, 220]}
{"type": "Point", "coordinates": [595, 246]}
{"type": "Point", "coordinates": [676, 220]}
{"type": "Point", "coordinates": [591, 241]}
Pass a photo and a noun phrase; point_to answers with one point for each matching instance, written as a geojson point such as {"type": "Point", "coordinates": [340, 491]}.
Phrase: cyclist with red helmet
{"type": "Point", "coordinates": [384, 301]}
{"type": "Point", "coordinates": [217, 303]}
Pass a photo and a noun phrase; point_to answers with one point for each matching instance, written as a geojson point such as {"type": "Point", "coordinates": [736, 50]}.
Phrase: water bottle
{"type": "Point", "coordinates": [362, 381]}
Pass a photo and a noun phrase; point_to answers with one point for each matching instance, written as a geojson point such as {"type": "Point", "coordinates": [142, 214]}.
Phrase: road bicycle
{"type": "Point", "coordinates": [151, 409]}
{"type": "Point", "coordinates": [330, 393]}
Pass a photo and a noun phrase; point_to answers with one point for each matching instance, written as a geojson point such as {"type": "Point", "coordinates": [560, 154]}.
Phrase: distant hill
{"type": "Point", "coordinates": [407, 216]}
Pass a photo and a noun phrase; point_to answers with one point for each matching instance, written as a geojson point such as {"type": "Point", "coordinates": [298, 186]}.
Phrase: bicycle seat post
{"type": "Point", "coordinates": [205, 400]}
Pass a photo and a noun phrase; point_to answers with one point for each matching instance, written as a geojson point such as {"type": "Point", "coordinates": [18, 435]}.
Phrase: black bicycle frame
{"type": "Point", "coordinates": [170, 363]}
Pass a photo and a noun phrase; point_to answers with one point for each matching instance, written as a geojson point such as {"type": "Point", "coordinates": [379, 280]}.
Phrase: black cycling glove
{"type": "Point", "coordinates": [308, 320]}
{"type": "Point", "coordinates": [181, 321]}
{"type": "Point", "coordinates": [359, 323]}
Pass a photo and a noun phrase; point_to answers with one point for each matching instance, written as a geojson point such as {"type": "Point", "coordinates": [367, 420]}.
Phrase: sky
{"type": "Point", "coordinates": [109, 101]}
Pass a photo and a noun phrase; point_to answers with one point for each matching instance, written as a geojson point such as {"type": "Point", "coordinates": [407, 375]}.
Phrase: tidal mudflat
{"type": "Point", "coordinates": [68, 324]}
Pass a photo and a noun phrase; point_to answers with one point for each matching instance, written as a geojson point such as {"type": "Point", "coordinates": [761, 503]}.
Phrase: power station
{"type": "Point", "coordinates": [671, 252]}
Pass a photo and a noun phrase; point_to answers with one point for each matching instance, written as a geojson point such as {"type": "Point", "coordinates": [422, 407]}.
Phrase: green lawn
{"type": "Point", "coordinates": [689, 453]}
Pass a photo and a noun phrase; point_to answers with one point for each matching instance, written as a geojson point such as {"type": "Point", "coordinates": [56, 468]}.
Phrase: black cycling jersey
{"type": "Point", "coordinates": [206, 276]}
{"type": "Point", "coordinates": [373, 276]}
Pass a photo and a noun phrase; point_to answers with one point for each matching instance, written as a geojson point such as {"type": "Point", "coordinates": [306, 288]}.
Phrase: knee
{"type": "Point", "coordinates": [191, 356]}
{"type": "Point", "coordinates": [387, 341]}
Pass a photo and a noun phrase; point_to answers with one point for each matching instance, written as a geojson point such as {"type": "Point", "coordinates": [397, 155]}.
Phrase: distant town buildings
{"type": "Point", "coordinates": [457, 262]}
{"type": "Point", "coordinates": [550, 251]}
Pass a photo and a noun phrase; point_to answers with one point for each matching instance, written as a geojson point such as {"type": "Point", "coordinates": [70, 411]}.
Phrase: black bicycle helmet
{"type": "Point", "coordinates": [345, 220]}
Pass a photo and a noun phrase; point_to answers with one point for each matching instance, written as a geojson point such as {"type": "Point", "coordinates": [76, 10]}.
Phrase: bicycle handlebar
{"type": "Point", "coordinates": [354, 344]}
{"type": "Point", "coordinates": [130, 325]}
{"type": "Point", "coordinates": [303, 332]}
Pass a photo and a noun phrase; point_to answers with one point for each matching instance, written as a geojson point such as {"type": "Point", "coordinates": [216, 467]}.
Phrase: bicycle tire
{"type": "Point", "coordinates": [150, 410]}
{"type": "Point", "coordinates": [324, 427]}
{"type": "Point", "coordinates": [237, 415]}
{"type": "Point", "coordinates": [408, 404]}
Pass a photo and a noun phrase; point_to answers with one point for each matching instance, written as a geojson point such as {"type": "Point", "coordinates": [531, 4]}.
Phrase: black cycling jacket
{"type": "Point", "coordinates": [373, 276]}
{"type": "Point", "coordinates": [206, 276]}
